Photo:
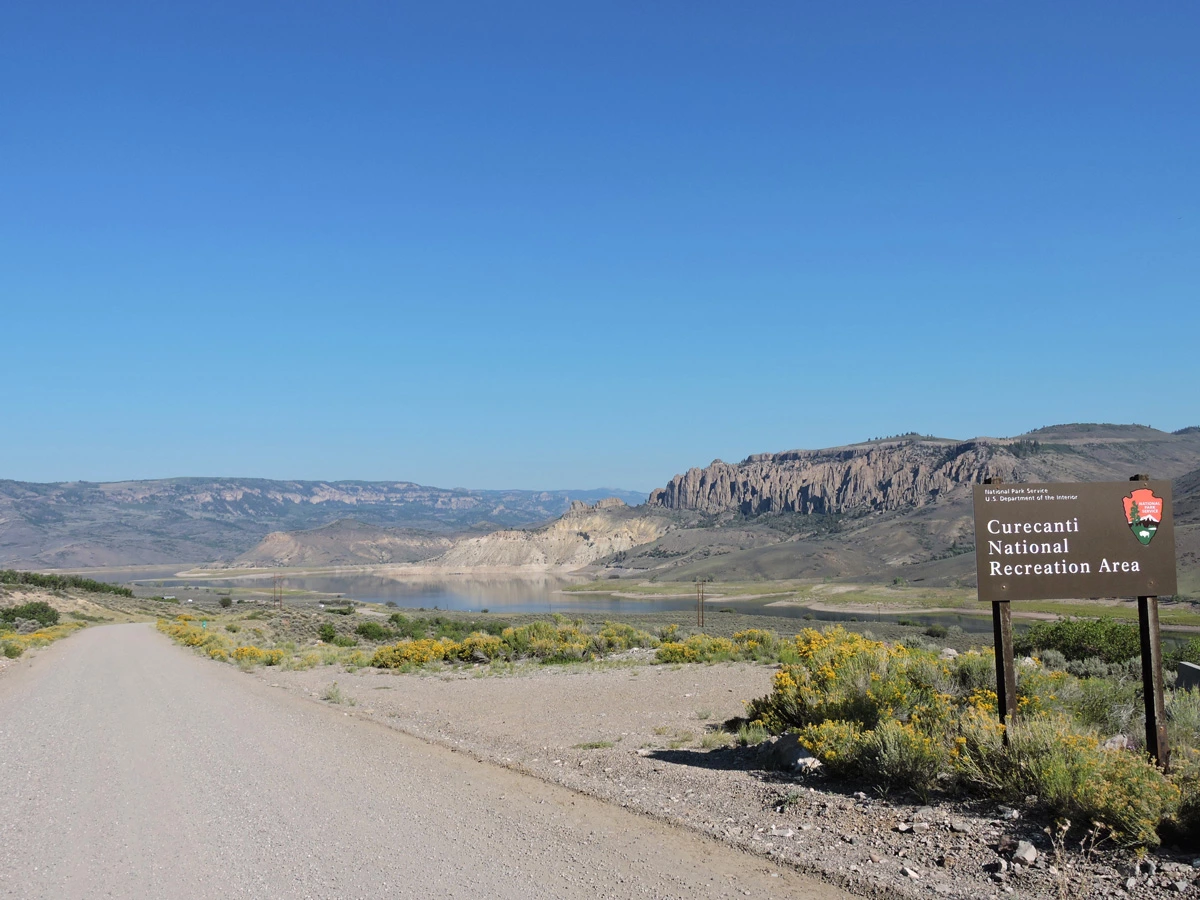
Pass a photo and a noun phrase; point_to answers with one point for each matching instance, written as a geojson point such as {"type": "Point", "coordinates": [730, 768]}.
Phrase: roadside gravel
{"type": "Point", "coordinates": [632, 733]}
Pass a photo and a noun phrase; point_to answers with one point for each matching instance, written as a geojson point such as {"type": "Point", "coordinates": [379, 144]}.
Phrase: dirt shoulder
{"type": "Point", "coordinates": [632, 733]}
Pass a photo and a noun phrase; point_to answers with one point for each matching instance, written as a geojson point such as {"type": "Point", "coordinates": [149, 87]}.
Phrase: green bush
{"type": "Point", "coordinates": [751, 733]}
{"type": "Point", "coordinates": [1184, 825]}
{"type": "Point", "coordinates": [1092, 667]}
{"type": "Point", "coordinates": [40, 611]}
{"type": "Point", "coordinates": [62, 582]}
{"type": "Point", "coordinates": [406, 627]}
{"type": "Point", "coordinates": [329, 635]}
{"type": "Point", "coordinates": [440, 627]}
{"type": "Point", "coordinates": [226, 602]}
{"type": "Point", "coordinates": [1188, 652]}
{"type": "Point", "coordinates": [11, 650]}
{"type": "Point", "coordinates": [1183, 719]}
{"type": "Point", "coordinates": [1052, 659]}
{"type": "Point", "coordinates": [1109, 639]}
{"type": "Point", "coordinates": [373, 631]}
{"type": "Point", "coordinates": [975, 671]}
{"type": "Point", "coordinates": [893, 754]}
{"type": "Point", "coordinates": [1110, 705]}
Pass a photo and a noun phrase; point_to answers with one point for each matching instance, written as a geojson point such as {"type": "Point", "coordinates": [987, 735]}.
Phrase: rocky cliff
{"type": "Point", "coordinates": [865, 477]}
{"type": "Point", "coordinates": [913, 472]}
{"type": "Point", "coordinates": [584, 534]}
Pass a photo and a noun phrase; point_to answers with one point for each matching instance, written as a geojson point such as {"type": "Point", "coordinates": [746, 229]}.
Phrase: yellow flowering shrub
{"type": "Point", "coordinates": [617, 636]}
{"type": "Point", "coordinates": [697, 648]}
{"type": "Point", "coordinates": [183, 631]}
{"type": "Point", "coordinates": [251, 654]}
{"type": "Point", "coordinates": [479, 643]}
{"type": "Point", "coordinates": [842, 675]}
{"type": "Point", "coordinates": [357, 659]}
{"type": "Point", "coordinates": [676, 652]}
{"type": "Point", "coordinates": [1044, 690]}
{"type": "Point", "coordinates": [755, 635]}
{"type": "Point", "coordinates": [549, 642]}
{"type": "Point", "coordinates": [43, 637]}
{"type": "Point", "coordinates": [419, 652]}
{"type": "Point", "coordinates": [836, 743]}
{"type": "Point", "coordinates": [903, 717]}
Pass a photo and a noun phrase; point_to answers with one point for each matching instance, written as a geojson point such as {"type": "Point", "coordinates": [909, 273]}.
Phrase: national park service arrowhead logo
{"type": "Point", "coordinates": [1143, 512]}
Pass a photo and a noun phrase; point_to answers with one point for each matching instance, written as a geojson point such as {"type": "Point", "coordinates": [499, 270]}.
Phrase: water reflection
{"type": "Point", "coordinates": [535, 593]}
{"type": "Point", "coordinates": [542, 593]}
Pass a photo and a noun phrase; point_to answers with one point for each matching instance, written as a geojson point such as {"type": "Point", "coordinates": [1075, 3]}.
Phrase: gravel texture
{"type": "Point", "coordinates": [557, 722]}
{"type": "Point", "coordinates": [133, 768]}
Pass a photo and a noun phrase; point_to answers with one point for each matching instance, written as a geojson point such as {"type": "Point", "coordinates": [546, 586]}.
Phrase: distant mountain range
{"type": "Point", "coordinates": [879, 510]}
{"type": "Point", "coordinates": [198, 520]}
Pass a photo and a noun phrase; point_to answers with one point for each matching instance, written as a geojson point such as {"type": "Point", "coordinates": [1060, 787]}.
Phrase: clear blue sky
{"type": "Point", "coordinates": [566, 245]}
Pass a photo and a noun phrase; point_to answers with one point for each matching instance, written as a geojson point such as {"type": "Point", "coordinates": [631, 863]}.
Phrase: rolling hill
{"type": "Point", "coordinates": [200, 520]}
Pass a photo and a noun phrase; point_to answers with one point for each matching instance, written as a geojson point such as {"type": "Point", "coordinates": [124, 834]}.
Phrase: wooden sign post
{"type": "Point", "coordinates": [1065, 541]}
{"type": "Point", "coordinates": [1152, 677]}
{"type": "Point", "coordinates": [1006, 672]}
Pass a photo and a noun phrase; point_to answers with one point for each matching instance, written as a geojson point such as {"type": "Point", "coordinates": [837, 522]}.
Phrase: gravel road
{"type": "Point", "coordinates": [132, 768]}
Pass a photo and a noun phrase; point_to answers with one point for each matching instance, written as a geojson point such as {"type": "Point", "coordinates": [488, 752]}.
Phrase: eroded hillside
{"type": "Point", "coordinates": [345, 543]}
{"type": "Point", "coordinates": [582, 536]}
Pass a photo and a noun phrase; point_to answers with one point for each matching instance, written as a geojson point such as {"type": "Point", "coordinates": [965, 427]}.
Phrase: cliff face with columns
{"type": "Point", "coordinates": [883, 476]}
{"type": "Point", "coordinates": [912, 472]}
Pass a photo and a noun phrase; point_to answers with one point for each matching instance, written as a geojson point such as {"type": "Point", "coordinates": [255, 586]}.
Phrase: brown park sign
{"type": "Point", "coordinates": [1065, 541]}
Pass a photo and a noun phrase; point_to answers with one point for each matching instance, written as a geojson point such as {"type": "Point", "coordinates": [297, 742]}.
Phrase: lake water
{"type": "Point", "coordinates": [536, 595]}
{"type": "Point", "coordinates": [521, 595]}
